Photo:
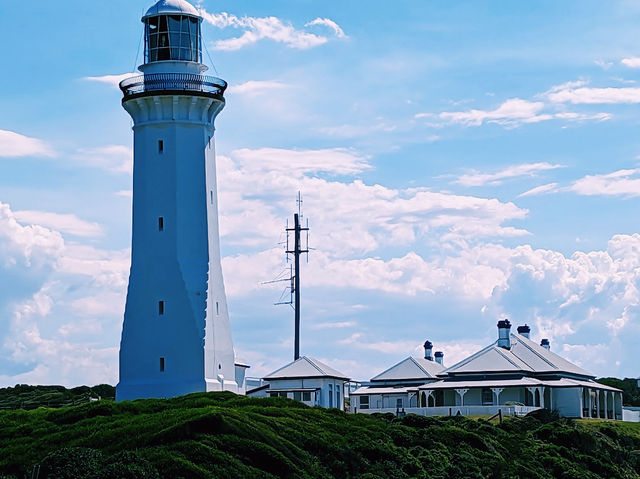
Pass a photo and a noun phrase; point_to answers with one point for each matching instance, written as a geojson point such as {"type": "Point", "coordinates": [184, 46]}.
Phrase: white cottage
{"type": "Point", "coordinates": [396, 387]}
{"type": "Point", "coordinates": [306, 380]}
{"type": "Point", "coordinates": [514, 376]}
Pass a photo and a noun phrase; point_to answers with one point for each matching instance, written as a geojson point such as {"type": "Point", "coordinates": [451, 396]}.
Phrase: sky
{"type": "Point", "coordinates": [460, 162]}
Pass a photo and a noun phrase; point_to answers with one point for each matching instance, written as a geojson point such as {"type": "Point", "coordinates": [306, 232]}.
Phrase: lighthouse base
{"type": "Point", "coordinates": [156, 390]}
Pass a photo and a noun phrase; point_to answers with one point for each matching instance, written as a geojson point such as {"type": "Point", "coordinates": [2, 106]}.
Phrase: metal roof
{"type": "Point", "coordinates": [411, 369]}
{"type": "Point", "coordinates": [383, 390]}
{"type": "Point", "coordinates": [522, 382]}
{"type": "Point", "coordinates": [524, 356]}
{"type": "Point", "coordinates": [172, 7]}
{"type": "Point", "coordinates": [306, 367]}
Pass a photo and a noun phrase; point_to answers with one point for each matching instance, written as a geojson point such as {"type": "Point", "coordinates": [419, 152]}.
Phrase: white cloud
{"type": "Point", "coordinates": [66, 223]}
{"type": "Point", "coordinates": [255, 88]}
{"type": "Point", "coordinates": [337, 31]}
{"type": "Point", "coordinates": [348, 217]}
{"type": "Point", "coordinates": [114, 158]}
{"type": "Point", "coordinates": [45, 336]}
{"type": "Point", "coordinates": [573, 116]}
{"type": "Point", "coordinates": [618, 183]}
{"type": "Point", "coordinates": [334, 325]}
{"type": "Point", "coordinates": [272, 28]}
{"type": "Point", "coordinates": [339, 161]}
{"type": "Point", "coordinates": [525, 170]}
{"type": "Point", "coordinates": [26, 244]}
{"type": "Point", "coordinates": [576, 93]}
{"type": "Point", "coordinates": [539, 190]}
{"type": "Point", "coordinates": [14, 145]}
{"type": "Point", "coordinates": [112, 80]}
{"type": "Point", "coordinates": [512, 112]}
{"type": "Point", "coordinates": [632, 62]}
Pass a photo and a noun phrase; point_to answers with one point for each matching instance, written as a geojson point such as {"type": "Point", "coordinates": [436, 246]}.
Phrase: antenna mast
{"type": "Point", "coordinates": [296, 252]}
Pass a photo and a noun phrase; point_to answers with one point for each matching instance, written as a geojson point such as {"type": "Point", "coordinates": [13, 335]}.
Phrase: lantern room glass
{"type": "Point", "coordinates": [172, 37]}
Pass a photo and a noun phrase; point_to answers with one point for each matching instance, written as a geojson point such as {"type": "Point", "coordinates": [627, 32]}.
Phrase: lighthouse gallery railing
{"type": "Point", "coordinates": [188, 82]}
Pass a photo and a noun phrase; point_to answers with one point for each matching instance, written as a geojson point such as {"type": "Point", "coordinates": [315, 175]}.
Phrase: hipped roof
{"type": "Point", "coordinates": [524, 356]}
{"type": "Point", "coordinates": [306, 367]}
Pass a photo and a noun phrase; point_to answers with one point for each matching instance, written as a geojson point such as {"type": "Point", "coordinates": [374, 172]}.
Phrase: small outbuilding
{"type": "Point", "coordinates": [306, 380]}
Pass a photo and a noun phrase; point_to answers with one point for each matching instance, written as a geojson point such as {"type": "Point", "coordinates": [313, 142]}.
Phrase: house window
{"type": "Point", "coordinates": [161, 365]}
{"type": "Point", "coordinates": [161, 223]}
{"type": "Point", "coordinates": [337, 396]}
{"type": "Point", "coordinates": [487, 397]}
{"type": "Point", "coordinates": [364, 402]}
{"type": "Point", "coordinates": [306, 396]}
{"type": "Point", "coordinates": [399, 403]}
{"type": "Point", "coordinates": [330, 395]}
{"type": "Point", "coordinates": [160, 308]}
{"type": "Point", "coordinates": [297, 395]}
{"type": "Point", "coordinates": [273, 395]}
{"type": "Point", "coordinates": [160, 146]}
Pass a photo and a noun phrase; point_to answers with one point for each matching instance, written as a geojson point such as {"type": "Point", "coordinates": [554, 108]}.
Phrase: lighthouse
{"type": "Point", "coordinates": [176, 336]}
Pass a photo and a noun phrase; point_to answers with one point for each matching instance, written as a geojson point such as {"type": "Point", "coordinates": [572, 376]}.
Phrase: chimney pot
{"type": "Point", "coordinates": [545, 344]}
{"type": "Point", "coordinates": [428, 347]}
{"type": "Point", "coordinates": [504, 331]}
{"type": "Point", "coordinates": [440, 357]}
{"type": "Point", "coordinates": [524, 331]}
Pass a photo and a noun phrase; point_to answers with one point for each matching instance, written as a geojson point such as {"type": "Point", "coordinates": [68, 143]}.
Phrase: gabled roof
{"type": "Point", "coordinates": [524, 356]}
{"type": "Point", "coordinates": [305, 367]}
{"type": "Point", "coordinates": [411, 369]}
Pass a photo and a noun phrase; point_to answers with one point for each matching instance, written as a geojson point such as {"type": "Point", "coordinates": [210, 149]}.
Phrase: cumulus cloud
{"type": "Point", "coordinates": [65, 223]}
{"type": "Point", "coordinates": [350, 217]}
{"type": "Point", "coordinates": [14, 145]}
{"type": "Point", "coordinates": [256, 29]}
{"type": "Point", "coordinates": [517, 171]}
{"type": "Point", "coordinates": [40, 344]}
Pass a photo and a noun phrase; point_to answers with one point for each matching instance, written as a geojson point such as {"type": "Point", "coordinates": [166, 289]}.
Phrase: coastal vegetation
{"type": "Point", "coordinates": [221, 435]}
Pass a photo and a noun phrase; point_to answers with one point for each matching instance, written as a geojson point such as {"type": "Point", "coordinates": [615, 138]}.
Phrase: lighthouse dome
{"type": "Point", "coordinates": [172, 7]}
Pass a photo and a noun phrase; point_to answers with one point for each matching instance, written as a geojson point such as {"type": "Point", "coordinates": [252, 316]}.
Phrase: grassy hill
{"type": "Point", "coordinates": [227, 436]}
{"type": "Point", "coordinates": [31, 397]}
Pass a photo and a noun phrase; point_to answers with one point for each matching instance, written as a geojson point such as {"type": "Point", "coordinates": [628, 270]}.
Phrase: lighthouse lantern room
{"type": "Point", "coordinates": [176, 336]}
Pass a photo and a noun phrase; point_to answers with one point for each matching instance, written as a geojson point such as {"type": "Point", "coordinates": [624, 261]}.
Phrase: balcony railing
{"type": "Point", "coordinates": [172, 82]}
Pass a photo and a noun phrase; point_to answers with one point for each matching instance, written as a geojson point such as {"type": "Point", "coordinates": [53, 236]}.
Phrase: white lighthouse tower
{"type": "Point", "coordinates": [176, 337]}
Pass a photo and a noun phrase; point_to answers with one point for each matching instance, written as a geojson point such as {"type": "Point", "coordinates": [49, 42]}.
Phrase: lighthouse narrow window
{"type": "Point", "coordinates": [161, 308]}
{"type": "Point", "coordinates": [161, 365]}
{"type": "Point", "coordinates": [211, 196]}
{"type": "Point", "coordinates": [160, 146]}
{"type": "Point", "coordinates": [217, 308]}
{"type": "Point", "coordinates": [161, 223]}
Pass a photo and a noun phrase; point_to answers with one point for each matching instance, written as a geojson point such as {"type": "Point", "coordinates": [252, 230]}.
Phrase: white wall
{"type": "Point", "coordinates": [179, 265]}
{"type": "Point", "coordinates": [312, 383]}
{"type": "Point", "coordinates": [567, 401]}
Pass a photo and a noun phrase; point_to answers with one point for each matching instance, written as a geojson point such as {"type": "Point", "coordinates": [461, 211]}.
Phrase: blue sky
{"type": "Point", "coordinates": [460, 163]}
